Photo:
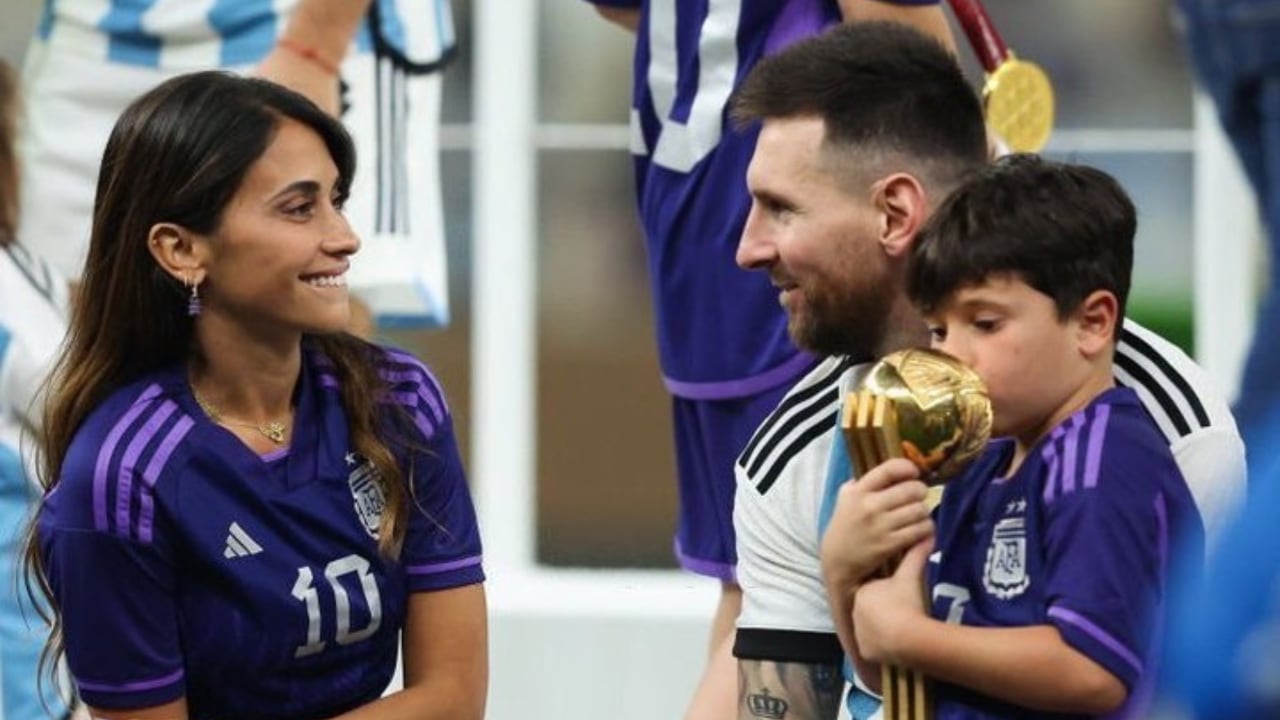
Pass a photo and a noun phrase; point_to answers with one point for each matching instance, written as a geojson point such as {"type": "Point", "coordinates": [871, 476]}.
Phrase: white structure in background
{"type": "Point", "coordinates": [1227, 258]}
{"type": "Point", "coordinates": [585, 644]}
{"type": "Point", "coordinates": [564, 644]}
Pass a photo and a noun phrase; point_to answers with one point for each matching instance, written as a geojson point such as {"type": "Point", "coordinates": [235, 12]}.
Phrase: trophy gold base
{"type": "Point", "coordinates": [930, 408]}
{"type": "Point", "coordinates": [869, 423]}
{"type": "Point", "coordinates": [907, 694]}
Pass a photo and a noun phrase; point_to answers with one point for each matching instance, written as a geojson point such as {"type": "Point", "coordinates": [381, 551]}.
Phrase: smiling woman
{"type": "Point", "coordinates": [245, 507]}
{"type": "Point", "coordinates": [275, 261]}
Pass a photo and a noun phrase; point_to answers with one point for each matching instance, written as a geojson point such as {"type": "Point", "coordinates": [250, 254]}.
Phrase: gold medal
{"type": "Point", "coordinates": [1017, 96]}
{"type": "Point", "coordinates": [1018, 100]}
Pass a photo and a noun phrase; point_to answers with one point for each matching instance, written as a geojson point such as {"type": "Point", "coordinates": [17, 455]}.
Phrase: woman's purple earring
{"type": "Point", "coordinates": [193, 303]}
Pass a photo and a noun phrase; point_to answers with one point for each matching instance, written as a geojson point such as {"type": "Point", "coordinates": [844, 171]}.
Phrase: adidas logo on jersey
{"type": "Point", "coordinates": [239, 544]}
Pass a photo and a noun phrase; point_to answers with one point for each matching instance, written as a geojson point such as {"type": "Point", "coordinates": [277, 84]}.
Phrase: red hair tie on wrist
{"type": "Point", "coordinates": [308, 53]}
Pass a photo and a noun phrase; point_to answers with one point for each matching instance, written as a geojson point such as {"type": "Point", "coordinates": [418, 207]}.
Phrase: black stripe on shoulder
{"type": "Point", "coordinates": [813, 648]}
{"type": "Point", "coordinates": [819, 406]}
{"type": "Point", "coordinates": [818, 430]}
{"type": "Point", "coordinates": [1143, 378]}
{"type": "Point", "coordinates": [1144, 348]}
{"type": "Point", "coordinates": [792, 401]}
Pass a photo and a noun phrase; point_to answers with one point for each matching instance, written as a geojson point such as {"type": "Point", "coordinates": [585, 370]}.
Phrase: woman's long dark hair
{"type": "Point", "coordinates": [178, 154]}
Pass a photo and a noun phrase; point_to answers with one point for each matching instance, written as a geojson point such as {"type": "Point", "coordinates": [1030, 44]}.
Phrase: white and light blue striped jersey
{"type": "Point", "coordinates": [33, 302]}
{"type": "Point", "coordinates": [93, 57]}
{"type": "Point", "coordinates": [33, 306]}
{"type": "Point", "coordinates": [191, 34]}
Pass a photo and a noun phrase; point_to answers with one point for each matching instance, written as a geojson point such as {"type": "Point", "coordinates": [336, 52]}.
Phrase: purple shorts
{"type": "Point", "coordinates": [709, 436]}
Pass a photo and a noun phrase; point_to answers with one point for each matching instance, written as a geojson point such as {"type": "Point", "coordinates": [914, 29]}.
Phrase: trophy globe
{"type": "Point", "coordinates": [941, 405]}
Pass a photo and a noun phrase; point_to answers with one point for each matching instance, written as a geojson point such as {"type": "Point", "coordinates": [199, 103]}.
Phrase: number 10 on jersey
{"type": "Point", "coordinates": [305, 590]}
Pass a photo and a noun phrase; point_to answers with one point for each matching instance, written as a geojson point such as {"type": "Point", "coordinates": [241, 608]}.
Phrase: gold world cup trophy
{"type": "Point", "coordinates": [932, 409]}
{"type": "Point", "coordinates": [1017, 96]}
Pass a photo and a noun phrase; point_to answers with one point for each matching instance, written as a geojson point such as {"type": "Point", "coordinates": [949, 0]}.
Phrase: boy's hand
{"type": "Point", "coordinates": [884, 609]}
{"type": "Point", "coordinates": [875, 518]}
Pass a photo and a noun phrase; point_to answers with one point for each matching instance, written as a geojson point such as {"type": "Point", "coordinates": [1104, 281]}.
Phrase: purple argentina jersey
{"type": "Point", "coordinates": [185, 564]}
{"type": "Point", "coordinates": [1078, 537]}
{"type": "Point", "coordinates": [721, 330]}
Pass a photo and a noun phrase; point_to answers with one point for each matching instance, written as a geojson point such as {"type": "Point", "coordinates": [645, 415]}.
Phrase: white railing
{"type": "Point", "coordinates": [568, 645]}
{"type": "Point", "coordinates": [1226, 252]}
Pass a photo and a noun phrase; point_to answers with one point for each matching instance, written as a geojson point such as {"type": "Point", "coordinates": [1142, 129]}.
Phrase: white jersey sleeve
{"type": "Point", "coordinates": [780, 476]}
{"type": "Point", "coordinates": [33, 304]}
{"type": "Point", "coordinates": [1193, 414]}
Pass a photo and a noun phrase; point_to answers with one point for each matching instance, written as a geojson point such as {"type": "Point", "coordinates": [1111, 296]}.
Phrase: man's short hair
{"type": "Point", "coordinates": [878, 86]}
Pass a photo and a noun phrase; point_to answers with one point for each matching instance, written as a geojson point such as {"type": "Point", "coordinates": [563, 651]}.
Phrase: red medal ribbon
{"type": "Point", "coordinates": [984, 38]}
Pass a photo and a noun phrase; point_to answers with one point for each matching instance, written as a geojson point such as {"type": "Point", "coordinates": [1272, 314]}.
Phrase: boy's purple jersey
{"type": "Point", "coordinates": [185, 564]}
{"type": "Point", "coordinates": [1079, 537]}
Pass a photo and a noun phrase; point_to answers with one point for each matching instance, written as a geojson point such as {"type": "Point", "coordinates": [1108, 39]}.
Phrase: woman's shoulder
{"type": "Point", "coordinates": [122, 450]}
{"type": "Point", "coordinates": [403, 370]}
{"type": "Point", "coordinates": [413, 388]}
{"type": "Point", "coordinates": [126, 409]}
{"type": "Point", "coordinates": [406, 385]}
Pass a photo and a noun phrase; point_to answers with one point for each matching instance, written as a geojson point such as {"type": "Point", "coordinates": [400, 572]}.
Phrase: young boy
{"type": "Point", "coordinates": [1048, 582]}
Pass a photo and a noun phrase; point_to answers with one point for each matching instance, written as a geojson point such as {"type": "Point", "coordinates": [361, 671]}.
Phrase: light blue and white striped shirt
{"type": "Point", "coordinates": [192, 34]}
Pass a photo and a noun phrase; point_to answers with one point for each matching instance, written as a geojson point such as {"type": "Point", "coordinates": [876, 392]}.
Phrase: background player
{"type": "Point", "coordinates": [1226, 622]}
{"type": "Point", "coordinates": [90, 58]}
{"type": "Point", "coordinates": [1232, 51]}
{"type": "Point", "coordinates": [245, 506]}
{"type": "Point", "coordinates": [33, 303]}
{"type": "Point", "coordinates": [1052, 548]}
{"type": "Point", "coordinates": [722, 338]}
{"type": "Point", "coordinates": [863, 131]}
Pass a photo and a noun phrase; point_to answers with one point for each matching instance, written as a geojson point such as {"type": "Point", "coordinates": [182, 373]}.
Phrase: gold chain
{"type": "Point", "coordinates": [273, 431]}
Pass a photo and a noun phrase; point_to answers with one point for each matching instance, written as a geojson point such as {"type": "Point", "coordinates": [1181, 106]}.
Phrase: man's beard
{"type": "Point", "coordinates": [850, 323]}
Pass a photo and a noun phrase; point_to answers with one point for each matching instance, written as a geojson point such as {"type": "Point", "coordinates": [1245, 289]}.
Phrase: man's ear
{"type": "Point", "coordinates": [178, 251]}
{"type": "Point", "coordinates": [1096, 321]}
{"type": "Point", "coordinates": [900, 201]}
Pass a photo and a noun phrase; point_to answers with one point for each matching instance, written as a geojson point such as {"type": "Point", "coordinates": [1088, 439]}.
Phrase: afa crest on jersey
{"type": "Point", "coordinates": [1005, 573]}
{"type": "Point", "coordinates": [366, 493]}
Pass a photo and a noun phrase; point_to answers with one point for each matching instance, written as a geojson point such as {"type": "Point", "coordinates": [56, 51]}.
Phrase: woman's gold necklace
{"type": "Point", "coordinates": [273, 431]}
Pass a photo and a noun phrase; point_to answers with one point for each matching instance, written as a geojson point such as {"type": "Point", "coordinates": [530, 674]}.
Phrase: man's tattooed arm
{"type": "Point", "coordinates": [770, 690]}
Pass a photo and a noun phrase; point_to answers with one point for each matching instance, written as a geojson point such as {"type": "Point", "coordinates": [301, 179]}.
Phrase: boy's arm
{"type": "Point", "coordinates": [874, 519]}
{"type": "Point", "coordinates": [1029, 666]}
{"type": "Point", "coordinates": [1032, 666]}
{"type": "Point", "coordinates": [924, 15]}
